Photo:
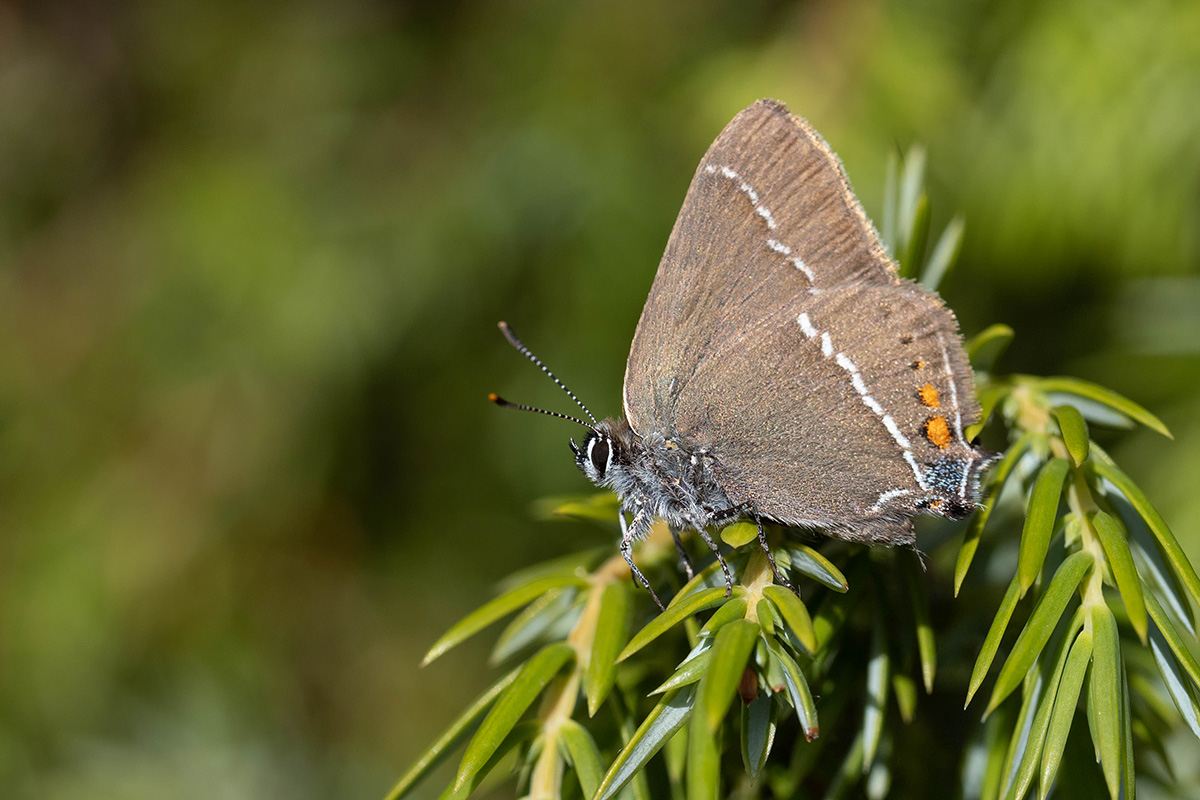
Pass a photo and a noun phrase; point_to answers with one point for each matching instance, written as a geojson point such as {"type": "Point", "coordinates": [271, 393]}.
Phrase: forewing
{"type": "Point", "coordinates": [769, 215]}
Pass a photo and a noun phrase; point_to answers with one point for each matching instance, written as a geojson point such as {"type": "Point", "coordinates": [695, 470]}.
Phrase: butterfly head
{"type": "Point", "coordinates": [607, 454]}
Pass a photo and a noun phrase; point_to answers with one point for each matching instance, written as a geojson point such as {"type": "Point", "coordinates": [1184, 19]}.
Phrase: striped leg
{"type": "Point", "coordinates": [641, 520]}
{"type": "Point", "coordinates": [762, 542]}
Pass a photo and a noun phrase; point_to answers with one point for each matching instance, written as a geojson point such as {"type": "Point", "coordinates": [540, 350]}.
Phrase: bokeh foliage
{"type": "Point", "coordinates": [251, 257]}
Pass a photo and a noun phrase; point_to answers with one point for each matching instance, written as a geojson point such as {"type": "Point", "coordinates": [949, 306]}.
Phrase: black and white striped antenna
{"type": "Point", "coordinates": [523, 350]}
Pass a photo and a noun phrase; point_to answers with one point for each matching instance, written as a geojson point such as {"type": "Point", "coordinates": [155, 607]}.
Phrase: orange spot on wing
{"type": "Point", "coordinates": [938, 432]}
{"type": "Point", "coordinates": [929, 395]}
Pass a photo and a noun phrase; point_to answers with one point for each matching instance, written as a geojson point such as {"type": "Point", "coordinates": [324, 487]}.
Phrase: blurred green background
{"type": "Point", "coordinates": [251, 261]}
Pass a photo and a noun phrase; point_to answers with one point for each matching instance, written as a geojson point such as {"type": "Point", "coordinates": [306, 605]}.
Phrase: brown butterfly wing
{"type": "Point", "coordinates": [822, 419]}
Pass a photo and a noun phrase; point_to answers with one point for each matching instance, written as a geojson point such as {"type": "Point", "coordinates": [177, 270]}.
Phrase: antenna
{"type": "Point", "coordinates": [500, 401]}
{"type": "Point", "coordinates": [523, 350]}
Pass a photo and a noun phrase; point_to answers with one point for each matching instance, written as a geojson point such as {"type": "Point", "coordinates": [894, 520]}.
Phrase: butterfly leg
{"type": "Point", "coordinates": [712, 545]}
{"type": "Point", "coordinates": [628, 534]}
{"type": "Point", "coordinates": [762, 542]}
{"type": "Point", "coordinates": [684, 558]}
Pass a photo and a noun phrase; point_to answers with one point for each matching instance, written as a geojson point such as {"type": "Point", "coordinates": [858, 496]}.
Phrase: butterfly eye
{"type": "Point", "coordinates": [600, 452]}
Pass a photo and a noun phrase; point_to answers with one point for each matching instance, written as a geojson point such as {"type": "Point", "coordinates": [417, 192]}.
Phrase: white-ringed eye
{"type": "Point", "coordinates": [600, 454]}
